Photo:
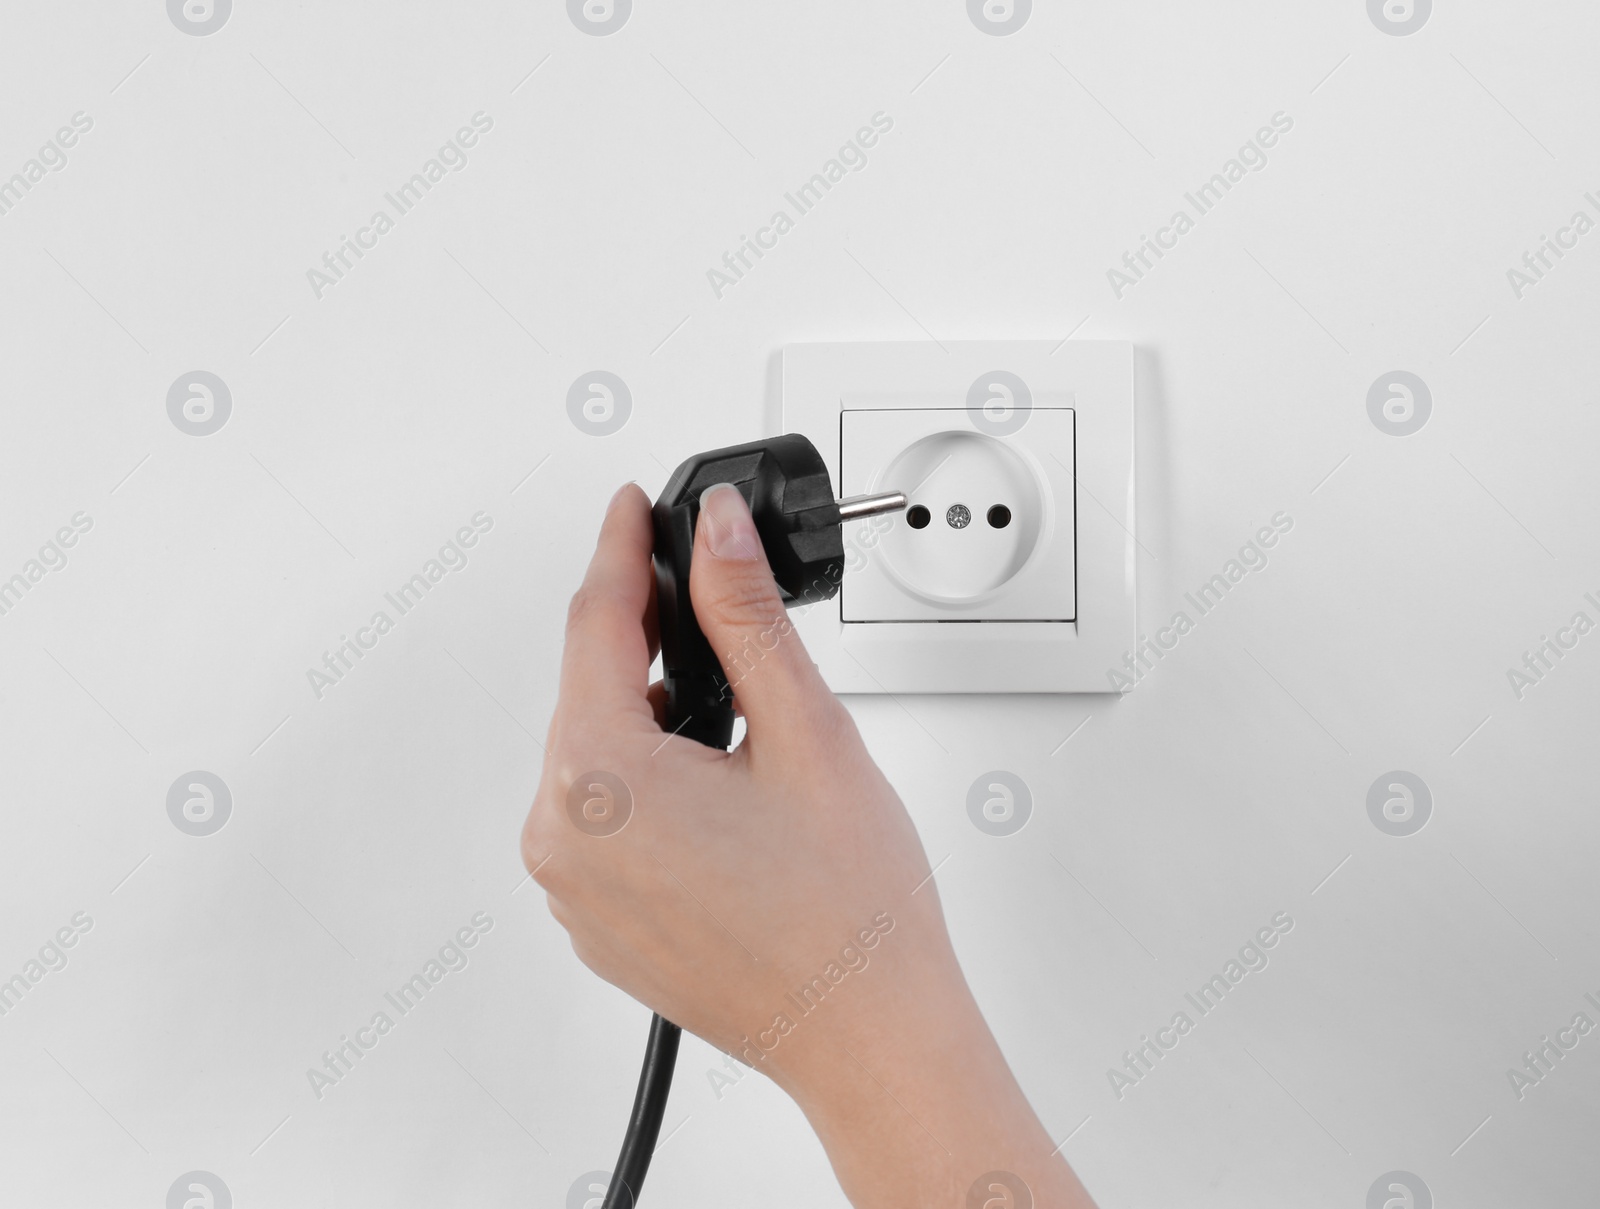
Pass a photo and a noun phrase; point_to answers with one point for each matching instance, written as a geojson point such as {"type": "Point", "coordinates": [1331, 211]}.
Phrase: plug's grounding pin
{"type": "Point", "coordinates": [856, 507]}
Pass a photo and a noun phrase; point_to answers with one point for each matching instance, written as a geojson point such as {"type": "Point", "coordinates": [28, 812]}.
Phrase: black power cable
{"type": "Point", "coordinates": [644, 1123]}
{"type": "Point", "coordinates": [785, 483]}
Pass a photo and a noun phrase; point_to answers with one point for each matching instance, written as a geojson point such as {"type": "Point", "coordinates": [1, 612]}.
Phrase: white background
{"type": "Point", "coordinates": [369, 425]}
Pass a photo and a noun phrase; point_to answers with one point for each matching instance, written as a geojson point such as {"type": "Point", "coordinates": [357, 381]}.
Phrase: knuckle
{"type": "Point", "coordinates": [585, 603]}
{"type": "Point", "coordinates": [582, 795]}
{"type": "Point", "coordinates": [603, 616]}
{"type": "Point", "coordinates": [538, 843]}
{"type": "Point", "coordinates": [544, 834]}
{"type": "Point", "coordinates": [554, 870]}
{"type": "Point", "coordinates": [592, 603]}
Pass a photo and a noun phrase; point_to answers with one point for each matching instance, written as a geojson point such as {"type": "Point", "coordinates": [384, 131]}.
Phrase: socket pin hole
{"type": "Point", "coordinates": [999, 516]}
{"type": "Point", "coordinates": [917, 516]}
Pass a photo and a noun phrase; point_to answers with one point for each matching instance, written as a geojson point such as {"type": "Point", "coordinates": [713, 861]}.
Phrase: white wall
{"type": "Point", "coordinates": [368, 425]}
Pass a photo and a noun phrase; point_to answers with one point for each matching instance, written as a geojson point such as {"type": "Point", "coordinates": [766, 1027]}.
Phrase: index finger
{"type": "Point", "coordinates": [605, 666]}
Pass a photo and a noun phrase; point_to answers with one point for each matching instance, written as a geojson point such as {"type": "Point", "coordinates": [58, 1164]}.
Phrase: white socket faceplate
{"type": "Point", "coordinates": [1047, 603]}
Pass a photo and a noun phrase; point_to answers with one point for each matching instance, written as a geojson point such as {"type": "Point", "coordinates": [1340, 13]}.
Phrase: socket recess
{"type": "Point", "coordinates": [993, 540]}
{"type": "Point", "coordinates": [1013, 568]}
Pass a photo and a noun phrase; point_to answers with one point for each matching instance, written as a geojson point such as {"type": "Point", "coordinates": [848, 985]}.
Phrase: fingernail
{"type": "Point", "coordinates": [618, 495]}
{"type": "Point", "coordinates": [731, 533]}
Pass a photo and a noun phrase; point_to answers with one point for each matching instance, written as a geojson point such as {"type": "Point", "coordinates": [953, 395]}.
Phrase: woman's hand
{"type": "Point", "coordinates": [774, 900]}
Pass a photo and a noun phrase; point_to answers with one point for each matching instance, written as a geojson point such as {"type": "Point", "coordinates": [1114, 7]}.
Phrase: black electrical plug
{"type": "Point", "coordinates": [785, 483]}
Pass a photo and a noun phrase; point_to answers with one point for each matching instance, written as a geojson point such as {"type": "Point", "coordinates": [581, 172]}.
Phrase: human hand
{"type": "Point", "coordinates": [774, 900]}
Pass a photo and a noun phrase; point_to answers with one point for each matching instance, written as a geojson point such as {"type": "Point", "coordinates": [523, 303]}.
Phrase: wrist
{"type": "Point", "coordinates": [913, 1100]}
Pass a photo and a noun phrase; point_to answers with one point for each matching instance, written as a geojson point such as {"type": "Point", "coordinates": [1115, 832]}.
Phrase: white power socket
{"type": "Point", "coordinates": [1013, 568]}
{"type": "Point", "coordinates": [988, 534]}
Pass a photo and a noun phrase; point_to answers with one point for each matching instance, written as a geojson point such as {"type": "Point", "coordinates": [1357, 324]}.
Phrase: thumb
{"type": "Point", "coordinates": [741, 612]}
